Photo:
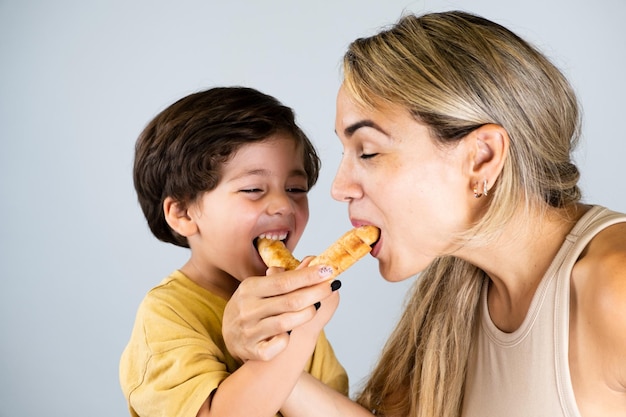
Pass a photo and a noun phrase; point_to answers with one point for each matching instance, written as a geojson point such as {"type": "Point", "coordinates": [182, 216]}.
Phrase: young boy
{"type": "Point", "coordinates": [214, 171]}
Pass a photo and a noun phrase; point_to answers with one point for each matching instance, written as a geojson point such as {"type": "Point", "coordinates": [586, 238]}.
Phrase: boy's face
{"type": "Point", "coordinates": [263, 190]}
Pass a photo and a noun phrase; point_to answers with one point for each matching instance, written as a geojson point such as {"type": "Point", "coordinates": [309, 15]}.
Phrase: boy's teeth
{"type": "Point", "coordinates": [273, 236]}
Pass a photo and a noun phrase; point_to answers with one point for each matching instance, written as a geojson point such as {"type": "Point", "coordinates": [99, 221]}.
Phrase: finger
{"type": "Point", "coordinates": [291, 316]}
{"type": "Point", "coordinates": [253, 320]}
{"type": "Point", "coordinates": [260, 318]}
{"type": "Point", "coordinates": [283, 323]}
{"type": "Point", "coordinates": [293, 302]}
{"type": "Point", "coordinates": [327, 308]}
{"type": "Point", "coordinates": [306, 261]}
{"type": "Point", "coordinates": [269, 348]}
{"type": "Point", "coordinates": [269, 337]}
{"type": "Point", "coordinates": [278, 281]}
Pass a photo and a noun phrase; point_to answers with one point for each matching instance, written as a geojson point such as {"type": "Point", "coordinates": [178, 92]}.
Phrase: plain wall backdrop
{"type": "Point", "coordinates": [80, 79]}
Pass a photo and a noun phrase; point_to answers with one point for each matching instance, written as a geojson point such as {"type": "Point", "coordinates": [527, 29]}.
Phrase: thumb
{"type": "Point", "coordinates": [270, 348]}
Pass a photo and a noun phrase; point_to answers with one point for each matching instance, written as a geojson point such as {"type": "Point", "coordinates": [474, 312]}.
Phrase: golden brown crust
{"type": "Point", "coordinates": [342, 254]}
{"type": "Point", "coordinates": [348, 249]}
{"type": "Point", "coordinates": [274, 253]}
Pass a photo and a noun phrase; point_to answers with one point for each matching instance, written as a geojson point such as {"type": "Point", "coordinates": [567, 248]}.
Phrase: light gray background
{"type": "Point", "coordinates": [80, 79]}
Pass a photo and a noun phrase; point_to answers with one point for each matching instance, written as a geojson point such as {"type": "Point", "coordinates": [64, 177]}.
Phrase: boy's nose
{"type": "Point", "coordinates": [280, 203]}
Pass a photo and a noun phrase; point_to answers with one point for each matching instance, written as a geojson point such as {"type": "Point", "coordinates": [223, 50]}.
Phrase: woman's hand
{"type": "Point", "coordinates": [263, 311]}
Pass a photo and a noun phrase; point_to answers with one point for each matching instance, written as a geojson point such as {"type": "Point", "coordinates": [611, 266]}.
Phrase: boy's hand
{"type": "Point", "coordinates": [263, 310]}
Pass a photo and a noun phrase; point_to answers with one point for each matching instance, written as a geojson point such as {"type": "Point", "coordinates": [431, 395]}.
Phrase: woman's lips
{"type": "Point", "coordinates": [376, 247]}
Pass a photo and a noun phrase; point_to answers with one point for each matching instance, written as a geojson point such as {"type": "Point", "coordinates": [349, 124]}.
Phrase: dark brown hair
{"type": "Point", "coordinates": [181, 151]}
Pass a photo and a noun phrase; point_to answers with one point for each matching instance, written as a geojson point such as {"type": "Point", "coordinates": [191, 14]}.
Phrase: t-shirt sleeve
{"type": "Point", "coordinates": [168, 367]}
{"type": "Point", "coordinates": [176, 357]}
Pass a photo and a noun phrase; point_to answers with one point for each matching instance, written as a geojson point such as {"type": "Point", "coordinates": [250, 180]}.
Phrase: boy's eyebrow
{"type": "Point", "coordinates": [349, 130]}
{"type": "Point", "coordinates": [265, 172]}
{"type": "Point", "coordinates": [298, 173]}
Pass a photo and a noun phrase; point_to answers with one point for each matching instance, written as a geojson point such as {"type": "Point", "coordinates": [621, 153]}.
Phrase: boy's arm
{"type": "Point", "coordinates": [311, 398]}
{"type": "Point", "coordinates": [260, 388]}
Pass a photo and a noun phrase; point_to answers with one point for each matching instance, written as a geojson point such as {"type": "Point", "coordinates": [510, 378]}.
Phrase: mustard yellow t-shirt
{"type": "Point", "coordinates": [176, 355]}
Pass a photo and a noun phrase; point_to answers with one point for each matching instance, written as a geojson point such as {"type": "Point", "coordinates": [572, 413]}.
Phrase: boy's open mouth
{"type": "Point", "coordinates": [273, 236]}
{"type": "Point", "coordinates": [282, 236]}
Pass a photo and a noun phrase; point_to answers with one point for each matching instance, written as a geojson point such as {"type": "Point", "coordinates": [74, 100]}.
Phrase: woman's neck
{"type": "Point", "coordinates": [518, 259]}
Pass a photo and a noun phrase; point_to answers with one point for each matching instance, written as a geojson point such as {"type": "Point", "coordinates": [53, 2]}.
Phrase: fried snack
{"type": "Point", "coordinates": [348, 249]}
{"type": "Point", "coordinates": [342, 254]}
{"type": "Point", "coordinates": [274, 253]}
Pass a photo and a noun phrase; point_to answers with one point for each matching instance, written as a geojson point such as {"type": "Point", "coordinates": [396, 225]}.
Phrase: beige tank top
{"type": "Point", "coordinates": [526, 373]}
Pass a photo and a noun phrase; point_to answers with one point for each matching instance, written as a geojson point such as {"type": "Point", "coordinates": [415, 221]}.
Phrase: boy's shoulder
{"type": "Point", "coordinates": [177, 304]}
{"type": "Point", "coordinates": [176, 297]}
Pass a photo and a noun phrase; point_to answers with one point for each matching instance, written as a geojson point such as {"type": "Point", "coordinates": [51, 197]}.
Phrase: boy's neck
{"type": "Point", "coordinates": [217, 282]}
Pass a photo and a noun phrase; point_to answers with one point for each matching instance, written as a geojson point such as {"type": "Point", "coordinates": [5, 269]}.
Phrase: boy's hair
{"type": "Point", "coordinates": [180, 153]}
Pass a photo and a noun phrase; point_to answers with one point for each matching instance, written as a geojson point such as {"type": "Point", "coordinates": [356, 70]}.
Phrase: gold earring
{"type": "Point", "coordinates": [476, 193]}
{"type": "Point", "coordinates": [485, 190]}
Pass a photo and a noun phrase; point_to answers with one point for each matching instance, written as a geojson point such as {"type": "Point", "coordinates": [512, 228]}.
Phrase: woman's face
{"type": "Point", "coordinates": [394, 175]}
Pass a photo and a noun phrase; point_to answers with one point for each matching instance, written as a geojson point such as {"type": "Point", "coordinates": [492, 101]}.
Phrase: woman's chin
{"type": "Point", "coordinates": [391, 274]}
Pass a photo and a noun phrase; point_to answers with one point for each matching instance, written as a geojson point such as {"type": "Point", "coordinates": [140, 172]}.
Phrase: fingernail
{"type": "Point", "coordinates": [335, 285]}
{"type": "Point", "coordinates": [317, 305]}
{"type": "Point", "coordinates": [326, 271]}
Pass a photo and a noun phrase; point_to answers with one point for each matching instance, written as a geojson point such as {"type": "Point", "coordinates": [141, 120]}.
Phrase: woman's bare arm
{"type": "Point", "coordinates": [311, 398]}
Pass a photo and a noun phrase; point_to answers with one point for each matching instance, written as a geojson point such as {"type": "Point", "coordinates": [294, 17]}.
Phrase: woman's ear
{"type": "Point", "coordinates": [177, 216]}
{"type": "Point", "coordinates": [490, 145]}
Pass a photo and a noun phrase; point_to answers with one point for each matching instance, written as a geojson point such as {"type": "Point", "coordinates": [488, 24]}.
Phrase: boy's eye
{"type": "Point", "coordinates": [292, 190]}
{"type": "Point", "coordinates": [297, 190]}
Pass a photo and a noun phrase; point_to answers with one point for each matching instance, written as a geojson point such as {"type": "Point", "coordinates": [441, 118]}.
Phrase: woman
{"type": "Point", "coordinates": [458, 137]}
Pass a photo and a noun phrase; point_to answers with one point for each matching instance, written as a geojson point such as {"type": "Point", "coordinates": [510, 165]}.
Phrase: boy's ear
{"type": "Point", "coordinates": [177, 216]}
{"type": "Point", "coordinates": [490, 146]}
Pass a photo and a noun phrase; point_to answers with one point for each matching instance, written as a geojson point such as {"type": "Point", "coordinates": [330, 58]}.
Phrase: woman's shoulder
{"type": "Point", "coordinates": [598, 309]}
{"type": "Point", "coordinates": [599, 281]}
{"type": "Point", "coordinates": [603, 262]}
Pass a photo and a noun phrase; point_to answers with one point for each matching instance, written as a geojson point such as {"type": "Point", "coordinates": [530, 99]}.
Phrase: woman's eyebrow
{"type": "Point", "coordinates": [349, 130]}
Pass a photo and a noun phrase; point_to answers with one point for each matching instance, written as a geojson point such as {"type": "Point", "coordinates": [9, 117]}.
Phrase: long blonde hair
{"type": "Point", "coordinates": [455, 72]}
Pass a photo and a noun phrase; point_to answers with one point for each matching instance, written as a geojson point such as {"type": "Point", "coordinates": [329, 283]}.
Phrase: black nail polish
{"type": "Point", "coordinates": [317, 305]}
{"type": "Point", "coordinates": [335, 285]}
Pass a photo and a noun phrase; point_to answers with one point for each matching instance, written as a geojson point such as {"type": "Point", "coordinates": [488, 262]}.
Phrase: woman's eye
{"type": "Point", "coordinates": [251, 190]}
{"type": "Point", "coordinates": [368, 155]}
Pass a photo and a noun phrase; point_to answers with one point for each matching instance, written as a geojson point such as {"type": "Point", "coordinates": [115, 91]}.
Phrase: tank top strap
{"type": "Point", "coordinates": [590, 224]}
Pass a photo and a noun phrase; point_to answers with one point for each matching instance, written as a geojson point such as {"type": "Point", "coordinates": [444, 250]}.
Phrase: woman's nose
{"type": "Point", "coordinates": [344, 188]}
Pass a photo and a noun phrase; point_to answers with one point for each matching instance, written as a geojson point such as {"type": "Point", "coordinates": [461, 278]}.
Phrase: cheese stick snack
{"type": "Point", "coordinates": [348, 249]}
{"type": "Point", "coordinates": [275, 253]}
{"type": "Point", "coordinates": [342, 254]}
